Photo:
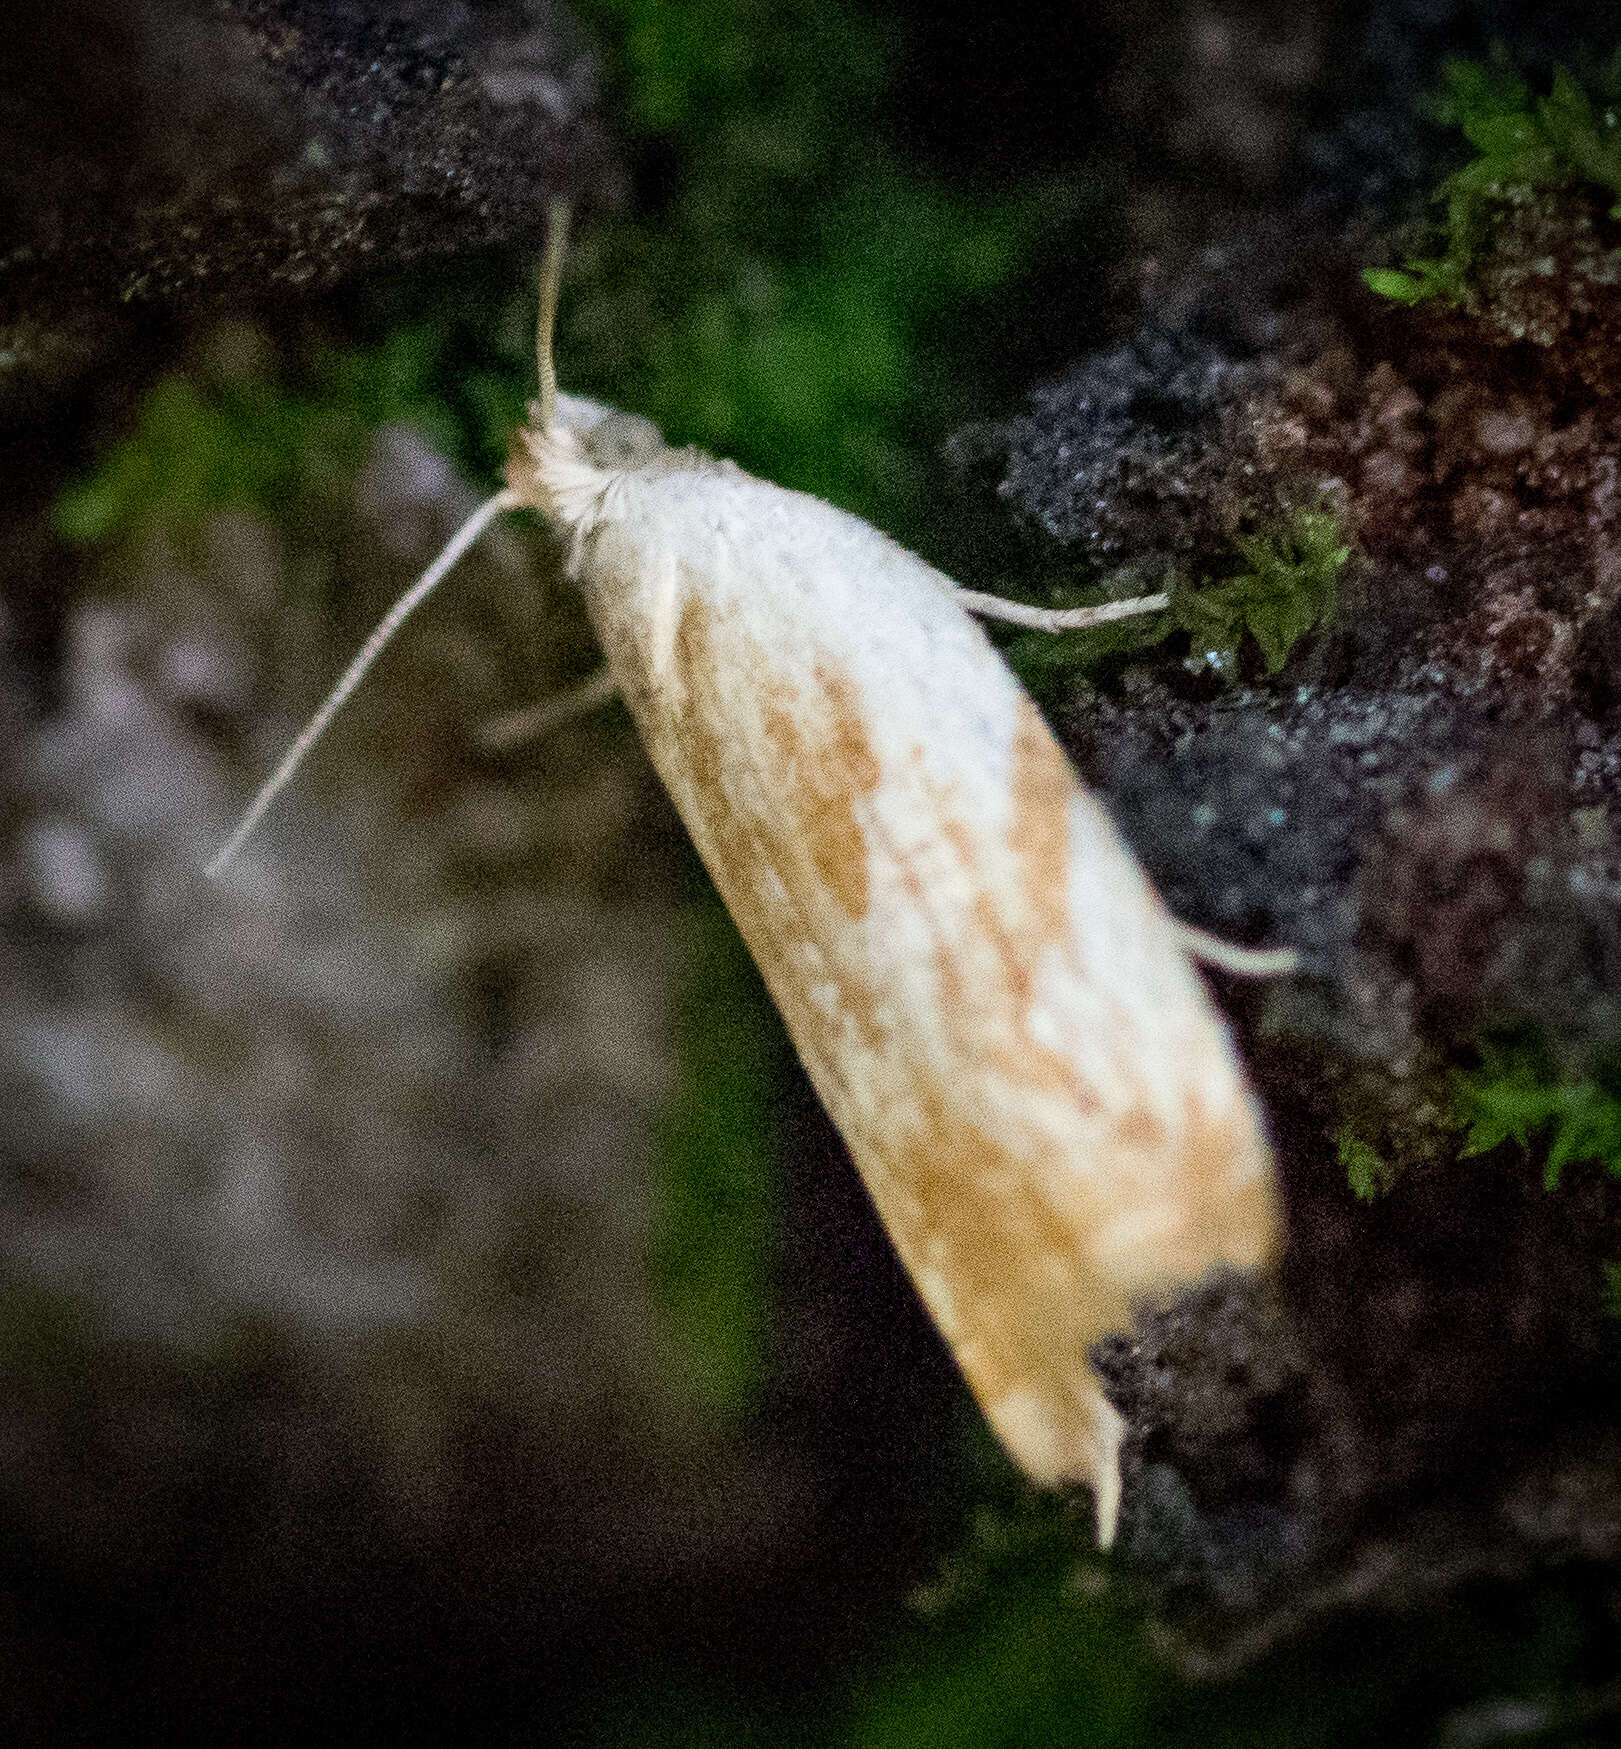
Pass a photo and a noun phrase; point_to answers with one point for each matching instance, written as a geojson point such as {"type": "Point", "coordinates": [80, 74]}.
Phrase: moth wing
{"type": "Point", "coordinates": [986, 991]}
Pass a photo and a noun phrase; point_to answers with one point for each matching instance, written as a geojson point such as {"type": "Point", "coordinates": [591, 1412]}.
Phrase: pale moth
{"type": "Point", "coordinates": [989, 996]}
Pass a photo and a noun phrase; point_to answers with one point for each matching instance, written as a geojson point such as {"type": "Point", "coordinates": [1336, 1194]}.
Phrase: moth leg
{"type": "Point", "coordinates": [1057, 619]}
{"type": "Point", "coordinates": [1229, 956]}
{"type": "Point", "coordinates": [533, 722]}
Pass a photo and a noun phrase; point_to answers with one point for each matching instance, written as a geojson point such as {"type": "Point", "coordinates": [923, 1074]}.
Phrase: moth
{"type": "Point", "coordinates": [991, 1000]}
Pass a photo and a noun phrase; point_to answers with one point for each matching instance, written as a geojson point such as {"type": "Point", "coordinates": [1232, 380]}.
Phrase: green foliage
{"type": "Point", "coordinates": [1522, 144]}
{"type": "Point", "coordinates": [804, 303]}
{"type": "Point", "coordinates": [1367, 1171]}
{"type": "Point", "coordinates": [713, 1244]}
{"type": "Point", "coordinates": [201, 446]}
{"type": "Point", "coordinates": [1037, 1646]}
{"type": "Point", "coordinates": [1520, 1094]}
{"type": "Point", "coordinates": [1038, 1662]}
{"type": "Point", "coordinates": [236, 430]}
{"type": "Point", "coordinates": [1046, 662]}
{"type": "Point", "coordinates": [1287, 587]}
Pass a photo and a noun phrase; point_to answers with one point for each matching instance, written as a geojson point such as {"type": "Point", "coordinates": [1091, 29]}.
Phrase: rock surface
{"type": "Point", "coordinates": [1422, 801]}
{"type": "Point", "coordinates": [167, 157]}
{"type": "Point", "coordinates": [354, 1362]}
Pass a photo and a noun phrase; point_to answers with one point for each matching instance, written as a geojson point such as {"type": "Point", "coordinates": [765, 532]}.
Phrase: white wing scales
{"type": "Point", "coordinates": [986, 991]}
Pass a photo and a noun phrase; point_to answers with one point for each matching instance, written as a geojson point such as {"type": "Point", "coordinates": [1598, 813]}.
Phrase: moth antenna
{"type": "Point", "coordinates": [1057, 619]}
{"type": "Point", "coordinates": [357, 670]}
{"type": "Point", "coordinates": [531, 722]}
{"type": "Point", "coordinates": [1242, 962]}
{"type": "Point", "coordinates": [551, 282]}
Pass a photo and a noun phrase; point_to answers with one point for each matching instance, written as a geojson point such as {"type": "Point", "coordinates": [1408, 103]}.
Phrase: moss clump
{"type": "Point", "coordinates": [1517, 1092]}
{"type": "Point", "coordinates": [1367, 1171]}
{"type": "Point", "coordinates": [238, 428]}
{"type": "Point", "coordinates": [203, 444]}
{"type": "Point", "coordinates": [1288, 588]}
{"type": "Point", "coordinates": [1047, 662]}
{"type": "Point", "coordinates": [1520, 1094]}
{"type": "Point", "coordinates": [1284, 586]}
{"type": "Point", "coordinates": [1523, 145]}
{"type": "Point", "coordinates": [804, 303]}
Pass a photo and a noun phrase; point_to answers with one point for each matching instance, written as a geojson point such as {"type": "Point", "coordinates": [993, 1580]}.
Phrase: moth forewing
{"type": "Point", "coordinates": [985, 989]}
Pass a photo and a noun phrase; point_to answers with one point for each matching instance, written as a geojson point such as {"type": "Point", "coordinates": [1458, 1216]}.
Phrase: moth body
{"type": "Point", "coordinates": [986, 991]}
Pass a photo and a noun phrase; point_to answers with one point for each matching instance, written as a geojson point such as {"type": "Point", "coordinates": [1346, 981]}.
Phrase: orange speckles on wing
{"type": "Point", "coordinates": [1226, 1192]}
{"type": "Point", "coordinates": [1141, 1129]}
{"type": "Point", "coordinates": [1042, 786]}
{"type": "Point", "coordinates": [850, 747]}
{"type": "Point", "coordinates": [782, 836]}
{"type": "Point", "coordinates": [1019, 1300]}
{"type": "Point", "coordinates": [827, 768]}
{"type": "Point", "coordinates": [1032, 1181]}
{"type": "Point", "coordinates": [959, 1189]}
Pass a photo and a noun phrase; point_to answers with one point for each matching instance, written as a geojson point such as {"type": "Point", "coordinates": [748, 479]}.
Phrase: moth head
{"type": "Point", "coordinates": [623, 440]}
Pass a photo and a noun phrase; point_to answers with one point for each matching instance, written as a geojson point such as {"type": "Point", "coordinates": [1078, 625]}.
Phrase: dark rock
{"type": "Point", "coordinates": [1421, 803]}
{"type": "Point", "coordinates": [1137, 455]}
{"type": "Point", "coordinates": [172, 155]}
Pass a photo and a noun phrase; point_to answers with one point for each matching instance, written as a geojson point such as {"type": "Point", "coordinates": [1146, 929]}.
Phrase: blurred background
{"type": "Point", "coordinates": [431, 1300]}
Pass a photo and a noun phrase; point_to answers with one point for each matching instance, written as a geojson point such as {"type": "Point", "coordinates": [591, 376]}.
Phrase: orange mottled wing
{"type": "Point", "coordinates": [984, 987]}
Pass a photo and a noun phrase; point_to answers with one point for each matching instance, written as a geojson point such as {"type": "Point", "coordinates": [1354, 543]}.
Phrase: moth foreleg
{"type": "Point", "coordinates": [1230, 956]}
{"type": "Point", "coordinates": [1057, 619]}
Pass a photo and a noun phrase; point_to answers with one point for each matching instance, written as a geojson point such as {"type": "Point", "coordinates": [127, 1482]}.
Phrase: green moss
{"type": "Point", "coordinates": [805, 303]}
{"type": "Point", "coordinates": [201, 446]}
{"type": "Point", "coordinates": [239, 428]}
{"type": "Point", "coordinates": [1517, 1092]}
{"type": "Point", "coordinates": [1523, 144]}
{"type": "Point", "coordinates": [1044, 1654]}
{"type": "Point", "coordinates": [1520, 1094]}
{"type": "Point", "coordinates": [1047, 662]}
{"type": "Point", "coordinates": [1283, 586]}
{"type": "Point", "coordinates": [1026, 1645]}
{"type": "Point", "coordinates": [1367, 1171]}
{"type": "Point", "coordinates": [1288, 587]}
{"type": "Point", "coordinates": [713, 1248]}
